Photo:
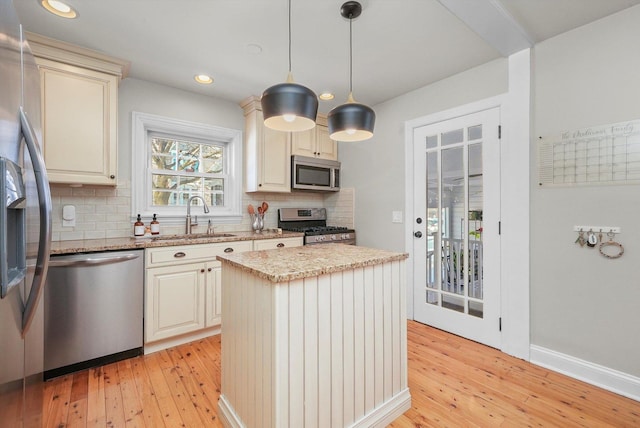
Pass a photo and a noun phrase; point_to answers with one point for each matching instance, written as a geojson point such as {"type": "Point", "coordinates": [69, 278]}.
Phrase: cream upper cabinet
{"type": "Point", "coordinates": [79, 111]}
{"type": "Point", "coordinates": [315, 142]}
{"type": "Point", "coordinates": [267, 153]}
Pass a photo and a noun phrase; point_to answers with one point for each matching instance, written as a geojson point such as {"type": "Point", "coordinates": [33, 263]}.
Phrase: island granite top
{"type": "Point", "coordinates": [114, 244]}
{"type": "Point", "coordinates": [286, 264]}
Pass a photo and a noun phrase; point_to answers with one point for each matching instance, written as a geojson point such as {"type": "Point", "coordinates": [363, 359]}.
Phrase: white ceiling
{"type": "Point", "coordinates": [399, 45]}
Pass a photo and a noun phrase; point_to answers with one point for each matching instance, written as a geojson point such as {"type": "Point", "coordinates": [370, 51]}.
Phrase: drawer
{"type": "Point", "coordinates": [269, 244]}
{"type": "Point", "coordinates": [193, 253]}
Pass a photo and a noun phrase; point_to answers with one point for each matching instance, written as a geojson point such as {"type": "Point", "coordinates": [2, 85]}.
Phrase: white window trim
{"type": "Point", "coordinates": [140, 164]}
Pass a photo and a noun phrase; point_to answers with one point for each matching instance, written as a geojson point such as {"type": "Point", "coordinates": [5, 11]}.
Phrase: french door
{"type": "Point", "coordinates": [456, 243]}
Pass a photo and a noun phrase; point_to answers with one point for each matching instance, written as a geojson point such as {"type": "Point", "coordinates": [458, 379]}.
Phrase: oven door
{"type": "Point", "coordinates": [315, 174]}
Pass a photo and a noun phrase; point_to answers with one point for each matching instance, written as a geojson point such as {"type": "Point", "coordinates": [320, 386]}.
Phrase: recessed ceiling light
{"type": "Point", "coordinates": [326, 96]}
{"type": "Point", "coordinates": [59, 8]}
{"type": "Point", "coordinates": [203, 79]}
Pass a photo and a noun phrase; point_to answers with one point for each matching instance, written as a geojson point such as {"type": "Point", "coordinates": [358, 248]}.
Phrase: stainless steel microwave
{"type": "Point", "coordinates": [315, 174]}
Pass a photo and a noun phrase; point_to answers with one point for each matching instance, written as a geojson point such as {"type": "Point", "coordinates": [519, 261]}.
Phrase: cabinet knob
{"type": "Point", "coordinates": [112, 176]}
{"type": "Point", "coordinates": [260, 185]}
{"type": "Point", "coordinates": [280, 245]}
{"type": "Point", "coordinates": [179, 254]}
{"type": "Point", "coordinates": [202, 270]}
{"type": "Point", "coordinates": [209, 269]}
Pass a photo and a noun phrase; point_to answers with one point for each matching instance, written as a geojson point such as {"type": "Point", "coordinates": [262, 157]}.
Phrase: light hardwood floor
{"type": "Point", "coordinates": [454, 382]}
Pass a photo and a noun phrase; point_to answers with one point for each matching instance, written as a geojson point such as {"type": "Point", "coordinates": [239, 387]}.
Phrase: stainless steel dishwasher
{"type": "Point", "coordinates": [93, 308]}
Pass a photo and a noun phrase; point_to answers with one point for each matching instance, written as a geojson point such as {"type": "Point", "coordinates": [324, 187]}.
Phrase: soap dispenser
{"type": "Point", "coordinates": [138, 227]}
{"type": "Point", "coordinates": [155, 226]}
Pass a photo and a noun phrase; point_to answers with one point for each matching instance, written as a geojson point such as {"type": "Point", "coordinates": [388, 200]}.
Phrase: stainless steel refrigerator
{"type": "Point", "coordinates": [25, 228]}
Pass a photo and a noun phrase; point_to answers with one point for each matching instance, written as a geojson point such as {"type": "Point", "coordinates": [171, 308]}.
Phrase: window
{"type": "Point", "coordinates": [174, 160]}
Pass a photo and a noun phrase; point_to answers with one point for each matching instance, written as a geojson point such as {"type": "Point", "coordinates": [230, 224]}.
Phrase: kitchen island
{"type": "Point", "coordinates": [314, 336]}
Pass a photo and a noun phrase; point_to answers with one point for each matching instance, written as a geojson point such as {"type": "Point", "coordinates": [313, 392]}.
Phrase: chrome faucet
{"type": "Point", "coordinates": [206, 210]}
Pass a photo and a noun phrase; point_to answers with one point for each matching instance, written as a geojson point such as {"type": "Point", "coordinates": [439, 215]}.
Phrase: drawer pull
{"type": "Point", "coordinates": [228, 250]}
{"type": "Point", "coordinates": [179, 254]}
{"type": "Point", "coordinates": [280, 245]}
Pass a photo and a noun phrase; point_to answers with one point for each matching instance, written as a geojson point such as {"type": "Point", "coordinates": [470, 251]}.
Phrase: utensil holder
{"type": "Point", "coordinates": [257, 222]}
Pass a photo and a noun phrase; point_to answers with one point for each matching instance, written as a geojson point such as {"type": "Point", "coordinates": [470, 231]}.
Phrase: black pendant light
{"type": "Point", "coordinates": [289, 106]}
{"type": "Point", "coordinates": [351, 121]}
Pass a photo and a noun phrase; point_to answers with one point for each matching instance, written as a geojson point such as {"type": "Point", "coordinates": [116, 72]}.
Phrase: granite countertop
{"type": "Point", "coordinates": [112, 244]}
{"type": "Point", "coordinates": [286, 264]}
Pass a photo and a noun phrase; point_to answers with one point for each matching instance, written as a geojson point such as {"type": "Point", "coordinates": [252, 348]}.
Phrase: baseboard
{"type": "Point", "coordinates": [379, 418]}
{"type": "Point", "coordinates": [227, 416]}
{"type": "Point", "coordinates": [387, 412]}
{"type": "Point", "coordinates": [601, 376]}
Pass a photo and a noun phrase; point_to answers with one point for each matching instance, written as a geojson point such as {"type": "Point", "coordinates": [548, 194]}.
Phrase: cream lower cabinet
{"type": "Point", "coordinates": [182, 292]}
{"type": "Point", "coordinates": [269, 244]}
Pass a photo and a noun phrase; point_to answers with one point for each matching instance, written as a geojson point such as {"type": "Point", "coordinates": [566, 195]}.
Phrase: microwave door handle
{"type": "Point", "coordinates": [44, 200]}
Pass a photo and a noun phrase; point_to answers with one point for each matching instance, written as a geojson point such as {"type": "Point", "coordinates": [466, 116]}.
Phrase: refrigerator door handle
{"type": "Point", "coordinates": [44, 199]}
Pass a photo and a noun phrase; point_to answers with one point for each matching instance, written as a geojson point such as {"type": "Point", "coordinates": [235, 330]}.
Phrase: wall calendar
{"type": "Point", "coordinates": [606, 154]}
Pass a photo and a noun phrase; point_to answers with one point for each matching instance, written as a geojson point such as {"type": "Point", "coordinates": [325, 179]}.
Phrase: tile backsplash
{"type": "Point", "coordinates": [103, 212]}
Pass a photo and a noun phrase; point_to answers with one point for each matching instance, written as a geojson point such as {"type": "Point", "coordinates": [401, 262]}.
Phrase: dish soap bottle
{"type": "Point", "coordinates": [138, 227]}
{"type": "Point", "coordinates": [155, 226]}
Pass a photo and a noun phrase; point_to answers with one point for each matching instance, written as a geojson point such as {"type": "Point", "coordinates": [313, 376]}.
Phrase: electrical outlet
{"type": "Point", "coordinates": [68, 216]}
{"type": "Point", "coordinates": [396, 216]}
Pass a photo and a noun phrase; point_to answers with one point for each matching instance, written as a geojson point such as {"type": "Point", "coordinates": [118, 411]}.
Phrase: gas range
{"type": "Point", "coordinates": [313, 223]}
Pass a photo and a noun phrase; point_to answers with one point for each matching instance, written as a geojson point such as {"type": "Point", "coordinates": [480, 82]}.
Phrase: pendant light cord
{"type": "Point", "coordinates": [350, 54]}
{"type": "Point", "coordinates": [289, 36]}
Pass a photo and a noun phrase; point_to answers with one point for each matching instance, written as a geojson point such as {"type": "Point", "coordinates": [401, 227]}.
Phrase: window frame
{"type": "Point", "coordinates": [144, 125]}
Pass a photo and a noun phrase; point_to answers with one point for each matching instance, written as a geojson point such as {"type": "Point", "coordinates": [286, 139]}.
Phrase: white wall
{"type": "Point", "coordinates": [583, 304]}
{"type": "Point", "coordinates": [375, 168]}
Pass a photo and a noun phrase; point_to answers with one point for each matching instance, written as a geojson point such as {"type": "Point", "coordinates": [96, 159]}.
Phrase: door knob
{"type": "Point", "coordinates": [418, 234]}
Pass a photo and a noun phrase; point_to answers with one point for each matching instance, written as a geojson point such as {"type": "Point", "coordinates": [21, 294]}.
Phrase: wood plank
{"type": "Point", "coordinates": [96, 401]}
{"type": "Point", "coordinates": [113, 396]}
{"type": "Point", "coordinates": [78, 401]}
{"type": "Point", "coordinates": [170, 413]}
{"type": "Point", "coordinates": [151, 410]}
{"type": "Point", "coordinates": [58, 409]}
{"type": "Point", "coordinates": [131, 402]}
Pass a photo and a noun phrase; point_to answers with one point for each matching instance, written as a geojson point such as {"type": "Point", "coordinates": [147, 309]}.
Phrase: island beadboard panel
{"type": "Point", "coordinates": [327, 350]}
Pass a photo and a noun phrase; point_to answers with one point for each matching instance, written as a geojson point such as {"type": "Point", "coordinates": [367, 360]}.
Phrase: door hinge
{"type": "Point", "coordinates": [499, 132]}
{"type": "Point", "coordinates": [499, 228]}
{"type": "Point", "coordinates": [500, 324]}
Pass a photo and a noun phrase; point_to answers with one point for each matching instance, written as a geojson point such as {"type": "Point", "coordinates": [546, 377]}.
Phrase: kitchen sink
{"type": "Point", "coordinates": [191, 236]}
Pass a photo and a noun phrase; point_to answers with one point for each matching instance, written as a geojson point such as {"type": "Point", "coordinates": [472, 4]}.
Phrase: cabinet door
{"type": "Point", "coordinates": [326, 148]}
{"type": "Point", "coordinates": [304, 143]}
{"type": "Point", "coordinates": [79, 114]}
{"type": "Point", "coordinates": [275, 162]}
{"type": "Point", "coordinates": [174, 301]}
{"type": "Point", "coordinates": [213, 305]}
{"type": "Point", "coordinates": [270, 244]}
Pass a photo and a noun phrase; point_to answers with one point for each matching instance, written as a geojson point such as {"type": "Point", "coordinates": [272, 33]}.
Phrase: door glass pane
{"type": "Point", "coordinates": [452, 137]}
{"type": "Point", "coordinates": [452, 232]}
{"type": "Point", "coordinates": [475, 308]}
{"type": "Point", "coordinates": [432, 141]}
{"type": "Point", "coordinates": [474, 132]}
{"type": "Point", "coordinates": [475, 220]}
{"type": "Point", "coordinates": [432, 297]}
{"type": "Point", "coordinates": [453, 302]}
{"type": "Point", "coordinates": [433, 250]}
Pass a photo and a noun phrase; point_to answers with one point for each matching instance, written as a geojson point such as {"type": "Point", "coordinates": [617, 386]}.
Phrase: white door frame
{"type": "Point", "coordinates": [515, 189]}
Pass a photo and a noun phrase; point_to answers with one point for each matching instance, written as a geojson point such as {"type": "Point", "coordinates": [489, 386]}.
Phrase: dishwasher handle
{"type": "Point", "coordinates": [91, 261]}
